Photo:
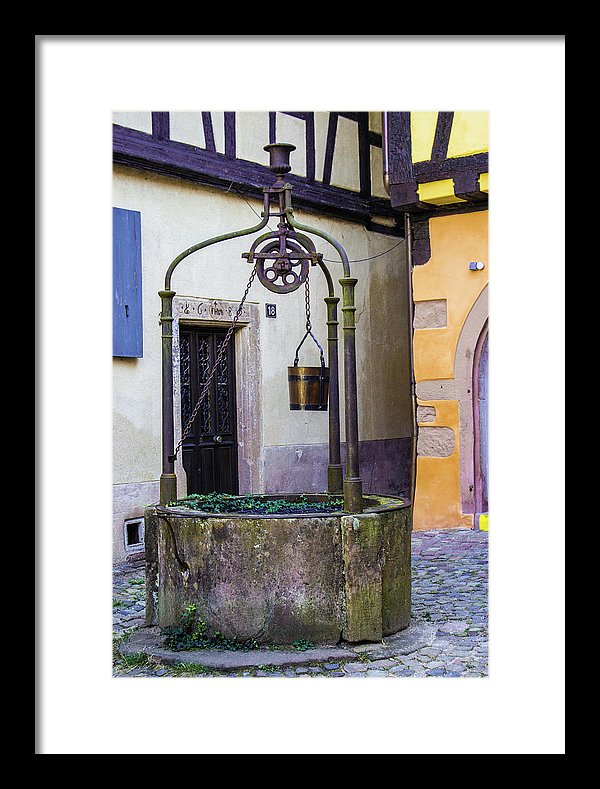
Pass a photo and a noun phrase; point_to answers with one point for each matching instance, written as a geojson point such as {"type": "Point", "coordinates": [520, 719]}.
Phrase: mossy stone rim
{"type": "Point", "coordinates": [372, 503]}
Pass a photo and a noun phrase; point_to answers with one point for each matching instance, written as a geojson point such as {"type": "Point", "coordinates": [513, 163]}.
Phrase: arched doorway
{"type": "Point", "coordinates": [480, 423]}
{"type": "Point", "coordinates": [471, 342]}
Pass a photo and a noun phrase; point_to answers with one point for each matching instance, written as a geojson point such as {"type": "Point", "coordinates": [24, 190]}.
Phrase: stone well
{"type": "Point", "coordinates": [278, 578]}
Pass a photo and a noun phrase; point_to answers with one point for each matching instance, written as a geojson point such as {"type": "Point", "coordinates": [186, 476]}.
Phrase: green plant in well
{"type": "Point", "coordinates": [193, 633]}
{"type": "Point", "coordinates": [220, 503]}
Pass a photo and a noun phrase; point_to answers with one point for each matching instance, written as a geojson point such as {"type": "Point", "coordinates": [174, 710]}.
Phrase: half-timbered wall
{"type": "Point", "coordinates": [336, 168]}
{"type": "Point", "coordinates": [438, 161]}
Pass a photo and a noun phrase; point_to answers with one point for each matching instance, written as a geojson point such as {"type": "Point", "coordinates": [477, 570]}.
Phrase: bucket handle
{"type": "Point", "coordinates": [308, 331]}
{"type": "Point", "coordinates": [322, 375]}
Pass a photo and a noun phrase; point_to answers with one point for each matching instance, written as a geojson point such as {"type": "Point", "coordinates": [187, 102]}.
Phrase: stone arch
{"type": "Point", "coordinates": [468, 342]}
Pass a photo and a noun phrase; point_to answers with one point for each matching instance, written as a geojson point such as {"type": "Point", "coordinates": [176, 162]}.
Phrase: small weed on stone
{"type": "Point", "coordinates": [302, 644]}
{"type": "Point", "coordinates": [193, 633]}
{"type": "Point", "coordinates": [134, 660]}
{"type": "Point", "coordinates": [187, 669]}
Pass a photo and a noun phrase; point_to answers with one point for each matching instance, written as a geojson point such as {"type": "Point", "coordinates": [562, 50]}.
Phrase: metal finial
{"type": "Point", "coordinates": [279, 153]}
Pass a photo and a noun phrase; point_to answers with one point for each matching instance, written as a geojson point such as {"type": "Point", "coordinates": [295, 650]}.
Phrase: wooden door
{"type": "Point", "coordinates": [210, 450]}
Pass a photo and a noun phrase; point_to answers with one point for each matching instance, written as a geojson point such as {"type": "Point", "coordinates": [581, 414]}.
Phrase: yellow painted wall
{"type": "Point", "coordinates": [469, 134]}
{"type": "Point", "coordinates": [422, 132]}
{"type": "Point", "coordinates": [455, 242]}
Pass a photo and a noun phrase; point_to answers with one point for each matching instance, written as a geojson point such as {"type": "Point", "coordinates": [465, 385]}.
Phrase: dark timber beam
{"type": "Point", "coordinates": [137, 149]}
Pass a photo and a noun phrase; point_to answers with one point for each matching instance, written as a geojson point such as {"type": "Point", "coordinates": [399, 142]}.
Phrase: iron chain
{"type": "Point", "coordinates": [222, 350]}
{"type": "Point", "coordinates": [307, 303]}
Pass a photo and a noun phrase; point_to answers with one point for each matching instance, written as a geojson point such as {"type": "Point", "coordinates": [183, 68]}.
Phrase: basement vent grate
{"type": "Point", "coordinates": [134, 535]}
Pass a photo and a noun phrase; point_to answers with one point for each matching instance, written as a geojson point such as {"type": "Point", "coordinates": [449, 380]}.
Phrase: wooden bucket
{"type": "Point", "coordinates": [309, 388]}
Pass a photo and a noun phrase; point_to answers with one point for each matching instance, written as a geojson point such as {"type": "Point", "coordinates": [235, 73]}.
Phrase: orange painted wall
{"type": "Point", "coordinates": [437, 493]}
{"type": "Point", "coordinates": [455, 241]}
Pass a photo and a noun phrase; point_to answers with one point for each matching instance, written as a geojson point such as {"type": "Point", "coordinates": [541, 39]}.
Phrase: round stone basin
{"type": "Point", "coordinates": [278, 578]}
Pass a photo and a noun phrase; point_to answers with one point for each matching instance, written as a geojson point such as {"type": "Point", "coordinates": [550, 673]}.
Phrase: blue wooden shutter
{"type": "Point", "coordinates": [127, 283]}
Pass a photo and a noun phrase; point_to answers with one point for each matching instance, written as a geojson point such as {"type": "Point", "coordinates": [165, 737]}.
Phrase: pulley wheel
{"type": "Point", "coordinates": [283, 274]}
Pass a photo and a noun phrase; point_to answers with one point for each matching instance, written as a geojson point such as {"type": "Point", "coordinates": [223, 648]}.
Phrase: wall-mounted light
{"type": "Point", "coordinates": [476, 266]}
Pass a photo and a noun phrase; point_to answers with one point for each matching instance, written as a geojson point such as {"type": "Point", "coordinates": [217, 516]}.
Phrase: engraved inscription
{"type": "Point", "coordinates": [214, 310]}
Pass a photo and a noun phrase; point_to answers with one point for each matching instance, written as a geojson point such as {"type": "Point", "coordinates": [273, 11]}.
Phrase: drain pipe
{"type": "Point", "coordinates": [411, 308]}
{"type": "Point", "coordinates": [385, 152]}
{"type": "Point", "coordinates": [411, 345]}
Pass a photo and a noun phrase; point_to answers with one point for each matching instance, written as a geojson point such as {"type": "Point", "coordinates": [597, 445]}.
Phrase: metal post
{"type": "Point", "coordinates": [334, 470]}
{"type": "Point", "coordinates": [352, 480]}
{"type": "Point", "coordinates": [168, 479]}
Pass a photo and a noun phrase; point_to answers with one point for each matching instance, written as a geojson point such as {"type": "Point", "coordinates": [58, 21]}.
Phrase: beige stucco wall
{"type": "Point", "coordinates": [174, 216]}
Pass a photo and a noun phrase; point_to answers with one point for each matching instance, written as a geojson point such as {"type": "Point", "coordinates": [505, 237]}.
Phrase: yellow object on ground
{"type": "Point", "coordinates": [483, 521]}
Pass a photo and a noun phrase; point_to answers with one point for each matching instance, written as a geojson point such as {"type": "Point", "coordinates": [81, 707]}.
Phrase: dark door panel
{"type": "Point", "coordinates": [205, 473]}
{"type": "Point", "coordinates": [210, 450]}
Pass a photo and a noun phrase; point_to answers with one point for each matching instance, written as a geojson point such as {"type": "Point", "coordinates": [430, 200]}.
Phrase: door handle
{"type": "Point", "coordinates": [217, 439]}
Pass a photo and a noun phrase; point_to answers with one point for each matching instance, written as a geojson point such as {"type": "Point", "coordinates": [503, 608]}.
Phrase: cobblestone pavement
{"type": "Point", "coordinates": [449, 593]}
